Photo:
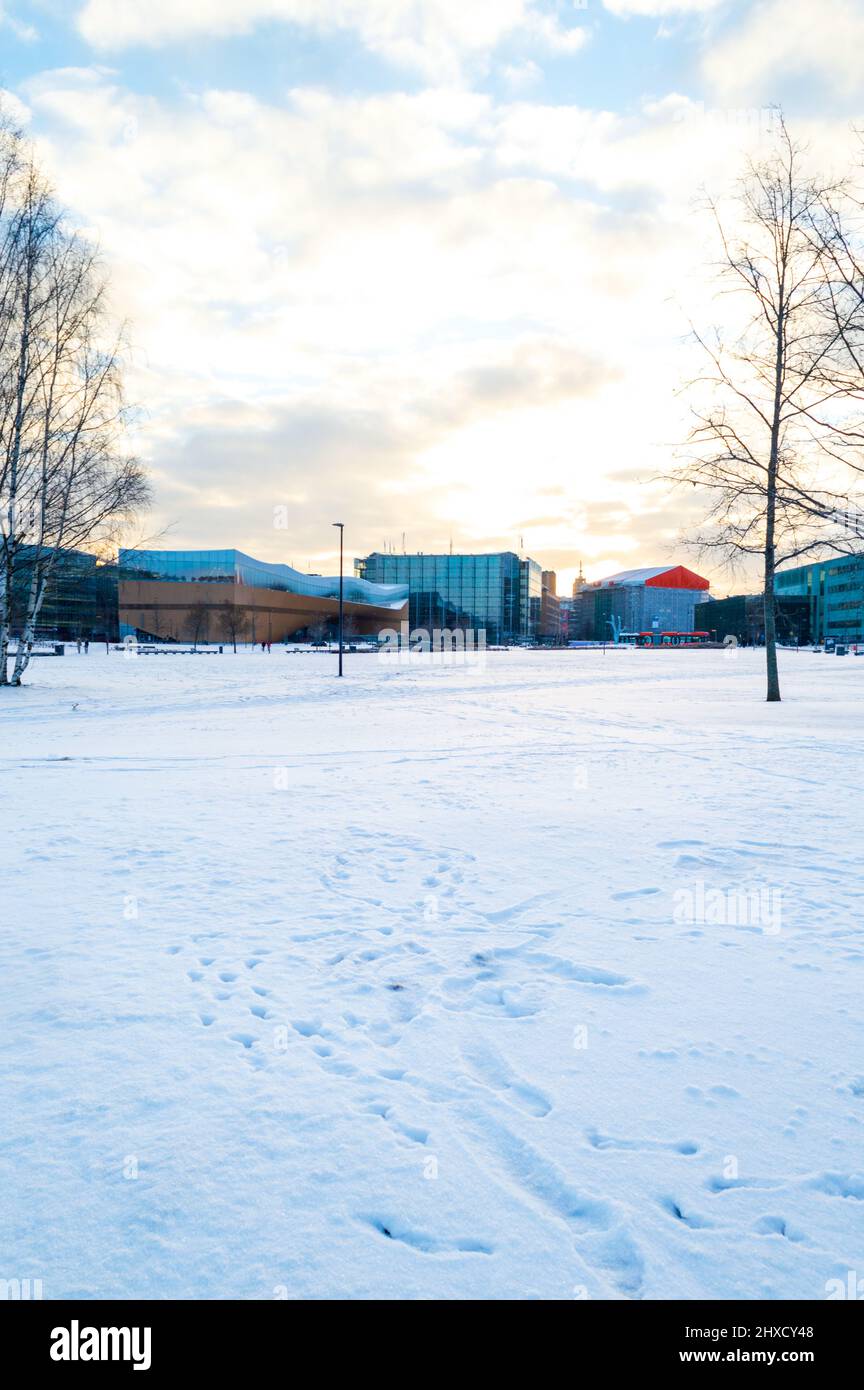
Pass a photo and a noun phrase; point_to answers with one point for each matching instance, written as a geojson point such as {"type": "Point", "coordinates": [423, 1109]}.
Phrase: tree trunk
{"type": "Point", "coordinates": [769, 600]}
{"type": "Point", "coordinates": [12, 539]}
{"type": "Point", "coordinates": [5, 617]}
{"type": "Point", "coordinates": [773, 676]}
{"type": "Point", "coordinates": [28, 631]}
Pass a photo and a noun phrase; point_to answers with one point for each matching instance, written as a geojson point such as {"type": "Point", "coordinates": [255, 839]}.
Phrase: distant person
{"type": "Point", "coordinates": [86, 646]}
{"type": "Point", "coordinates": [78, 645]}
{"type": "Point", "coordinates": [269, 645]}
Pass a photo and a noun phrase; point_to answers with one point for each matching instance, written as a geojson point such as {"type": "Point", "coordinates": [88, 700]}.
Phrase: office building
{"type": "Point", "coordinates": [742, 616]}
{"type": "Point", "coordinates": [834, 590]}
{"type": "Point", "coordinates": [551, 622]}
{"type": "Point", "coordinates": [80, 598]}
{"type": "Point", "coordinates": [498, 594]}
{"type": "Point", "coordinates": [577, 612]}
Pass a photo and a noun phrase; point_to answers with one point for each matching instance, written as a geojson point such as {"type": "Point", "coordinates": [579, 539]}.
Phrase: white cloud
{"type": "Point", "coordinates": [13, 108]}
{"type": "Point", "coordinates": [548, 30]}
{"type": "Point", "coordinates": [433, 36]}
{"type": "Point", "coordinates": [456, 283]}
{"type": "Point", "coordinates": [27, 33]}
{"type": "Point", "coordinates": [520, 76]}
{"type": "Point", "coordinates": [790, 37]}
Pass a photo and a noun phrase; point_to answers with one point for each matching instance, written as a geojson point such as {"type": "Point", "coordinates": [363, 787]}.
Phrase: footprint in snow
{"type": "Point", "coordinates": [415, 1133]}
{"type": "Point", "coordinates": [719, 1184]}
{"type": "Point", "coordinates": [491, 1068]}
{"type": "Point", "coordinates": [779, 1226]}
{"type": "Point", "coordinates": [689, 1218]}
{"type": "Point", "coordinates": [846, 1185]}
{"type": "Point", "coordinates": [396, 1230]}
{"type": "Point", "coordinates": [606, 1141]}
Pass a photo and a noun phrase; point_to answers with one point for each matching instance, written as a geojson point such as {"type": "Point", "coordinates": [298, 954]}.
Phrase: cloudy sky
{"type": "Point", "coordinates": [424, 266]}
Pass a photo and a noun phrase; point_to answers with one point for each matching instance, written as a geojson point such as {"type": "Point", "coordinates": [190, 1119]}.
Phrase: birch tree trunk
{"type": "Point", "coordinates": [65, 477]}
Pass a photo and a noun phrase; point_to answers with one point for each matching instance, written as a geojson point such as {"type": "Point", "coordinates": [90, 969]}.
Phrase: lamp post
{"type": "Point", "coordinates": [341, 526]}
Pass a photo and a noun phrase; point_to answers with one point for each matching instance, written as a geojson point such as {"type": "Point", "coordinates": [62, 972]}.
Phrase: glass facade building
{"type": "Point", "coordinates": [217, 595]}
{"type": "Point", "coordinates": [80, 597]}
{"type": "Point", "coordinates": [743, 616]}
{"type": "Point", "coordinates": [233, 567]}
{"type": "Point", "coordinates": [835, 591]}
{"type": "Point", "coordinates": [497, 594]}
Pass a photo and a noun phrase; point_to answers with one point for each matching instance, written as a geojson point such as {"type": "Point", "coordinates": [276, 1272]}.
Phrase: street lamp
{"type": "Point", "coordinates": [341, 525]}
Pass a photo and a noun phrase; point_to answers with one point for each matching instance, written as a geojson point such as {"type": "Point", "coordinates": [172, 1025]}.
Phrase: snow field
{"type": "Point", "coordinates": [432, 983]}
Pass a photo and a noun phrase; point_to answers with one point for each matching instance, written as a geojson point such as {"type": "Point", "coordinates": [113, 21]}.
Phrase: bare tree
{"type": "Point", "coordinates": [199, 622]}
{"type": "Point", "coordinates": [233, 622]}
{"type": "Point", "coordinates": [317, 631]}
{"type": "Point", "coordinates": [770, 442]}
{"type": "Point", "coordinates": [65, 478]}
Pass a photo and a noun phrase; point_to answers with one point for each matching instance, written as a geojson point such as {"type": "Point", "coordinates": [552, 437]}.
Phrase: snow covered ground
{"type": "Point", "coordinates": [536, 981]}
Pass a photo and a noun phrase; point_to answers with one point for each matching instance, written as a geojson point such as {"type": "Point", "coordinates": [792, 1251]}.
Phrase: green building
{"type": "Point", "coordinates": [834, 590]}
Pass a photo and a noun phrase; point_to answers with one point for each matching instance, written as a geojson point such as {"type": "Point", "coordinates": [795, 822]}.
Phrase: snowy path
{"type": "Point", "coordinates": [382, 988]}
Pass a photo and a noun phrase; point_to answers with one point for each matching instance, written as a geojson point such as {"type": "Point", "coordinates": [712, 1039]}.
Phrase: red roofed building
{"type": "Point", "coordinates": [674, 577]}
{"type": "Point", "coordinates": [658, 599]}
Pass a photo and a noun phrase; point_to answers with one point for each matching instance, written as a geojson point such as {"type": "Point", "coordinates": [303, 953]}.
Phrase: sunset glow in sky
{"type": "Point", "coordinates": [424, 266]}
